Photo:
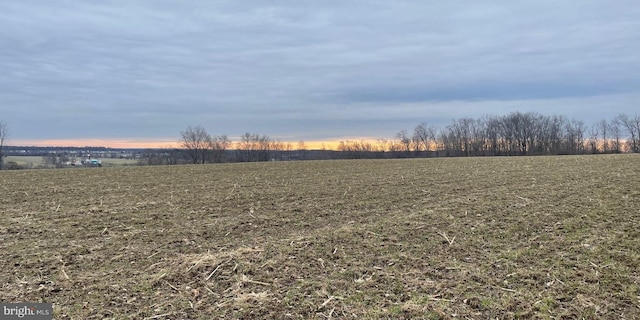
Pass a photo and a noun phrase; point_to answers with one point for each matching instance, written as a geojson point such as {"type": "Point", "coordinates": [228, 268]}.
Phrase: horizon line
{"type": "Point", "coordinates": [158, 144]}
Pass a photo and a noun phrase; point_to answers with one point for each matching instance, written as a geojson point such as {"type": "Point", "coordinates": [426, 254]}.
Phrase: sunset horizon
{"type": "Point", "coordinates": [159, 144]}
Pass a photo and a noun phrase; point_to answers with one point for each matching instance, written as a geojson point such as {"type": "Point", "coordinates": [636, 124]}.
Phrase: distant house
{"type": "Point", "coordinates": [91, 162]}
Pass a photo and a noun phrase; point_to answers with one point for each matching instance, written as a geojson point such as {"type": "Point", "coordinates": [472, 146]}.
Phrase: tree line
{"type": "Point", "coordinates": [197, 146]}
{"type": "Point", "coordinates": [514, 134]}
{"type": "Point", "coordinates": [526, 134]}
{"type": "Point", "coordinates": [534, 134]}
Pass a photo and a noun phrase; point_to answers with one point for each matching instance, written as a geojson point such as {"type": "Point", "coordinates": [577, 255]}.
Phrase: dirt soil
{"type": "Point", "coordinates": [470, 238]}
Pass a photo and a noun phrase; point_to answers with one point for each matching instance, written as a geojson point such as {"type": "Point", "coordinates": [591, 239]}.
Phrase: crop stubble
{"type": "Point", "coordinates": [549, 237]}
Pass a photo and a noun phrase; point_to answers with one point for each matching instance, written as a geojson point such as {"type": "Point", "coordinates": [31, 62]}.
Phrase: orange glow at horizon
{"type": "Point", "coordinates": [152, 144]}
{"type": "Point", "coordinates": [108, 143]}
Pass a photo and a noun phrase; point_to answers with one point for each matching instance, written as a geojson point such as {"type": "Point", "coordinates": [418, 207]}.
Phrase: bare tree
{"type": "Point", "coordinates": [197, 143]}
{"type": "Point", "coordinates": [245, 147]}
{"type": "Point", "coordinates": [463, 129]}
{"type": "Point", "coordinates": [604, 132]}
{"type": "Point", "coordinates": [574, 139]}
{"type": "Point", "coordinates": [478, 137]}
{"type": "Point", "coordinates": [492, 135]}
{"type": "Point", "coordinates": [4, 132]}
{"type": "Point", "coordinates": [254, 147]}
{"type": "Point", "coordinates": [362, 149]}
{"type": "Point", "coordinates": [554, 130]}
{"type": "Point", "coordinates": [277, 150]}
{"type": "Point", "coordinates": [520, 132]}
{"type": "Point", "coordinates": [457, 137]}
{"type": "Point", "coordinates": [404, 140]}
{"type": "Point", "coordinates": [424, 136]}
{"type": "Point", "coordinates": [218, 146]}
{"type": "Point", "coordinates": [302, 150]}
{"type": "Point", "coordinates": [632, 126]}
{"type": "Point", "coordinates": [614, 128]}
{"type": "Point", "coordinates": [593, 139]}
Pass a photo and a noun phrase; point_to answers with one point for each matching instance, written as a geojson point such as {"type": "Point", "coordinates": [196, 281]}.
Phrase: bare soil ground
{"type": "Point", "coordinates": [474, 238]}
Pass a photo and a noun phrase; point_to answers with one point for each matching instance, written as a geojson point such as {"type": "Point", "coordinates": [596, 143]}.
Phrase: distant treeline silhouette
{"type": "Point", "coordinates": [514, 134]}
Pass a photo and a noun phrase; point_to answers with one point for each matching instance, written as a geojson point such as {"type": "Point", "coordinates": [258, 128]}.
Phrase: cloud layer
{"type": "Point", "coordinates": [305, 70]}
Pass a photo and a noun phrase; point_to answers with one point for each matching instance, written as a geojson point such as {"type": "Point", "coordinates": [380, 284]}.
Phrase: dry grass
{"type": "Point", "coordinates": [541, 237]}
{"type": "Point", "coordinates": [37, 161]}
{"type": "Point", "coordinates": [33, 161]}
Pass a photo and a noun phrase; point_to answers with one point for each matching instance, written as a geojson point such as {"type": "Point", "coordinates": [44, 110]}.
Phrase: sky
{"type": "Point", "coordinates": [132, 73]}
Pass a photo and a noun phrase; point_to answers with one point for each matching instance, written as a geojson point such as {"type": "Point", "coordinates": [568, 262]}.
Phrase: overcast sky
{"type": "Point", "coordinates": [307, 70]}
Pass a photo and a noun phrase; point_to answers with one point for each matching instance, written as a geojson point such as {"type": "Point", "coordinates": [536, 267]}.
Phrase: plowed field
{"type": "Point", "coordinates": [547, 237]}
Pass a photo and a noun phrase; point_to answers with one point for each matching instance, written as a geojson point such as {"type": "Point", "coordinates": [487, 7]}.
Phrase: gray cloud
{"type": "Point", "coordinates": [147, 69]}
